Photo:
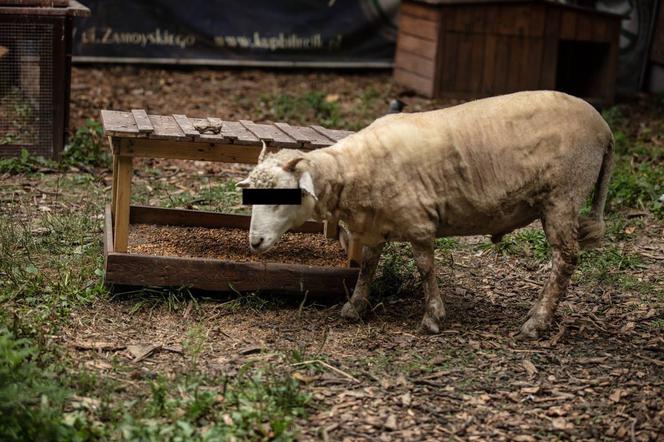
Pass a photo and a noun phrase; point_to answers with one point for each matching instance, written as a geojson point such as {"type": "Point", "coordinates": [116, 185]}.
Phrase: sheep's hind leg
{"type": "Point", "coordinates": [358, 303]}
{"type": "Point", "coordinates": [560, 228]}
{"type": "Point", "coordinates": [434, 310]}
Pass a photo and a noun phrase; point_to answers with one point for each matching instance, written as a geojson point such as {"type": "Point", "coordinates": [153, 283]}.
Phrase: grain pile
{"type": "Point", "coordinates": [232, 245]}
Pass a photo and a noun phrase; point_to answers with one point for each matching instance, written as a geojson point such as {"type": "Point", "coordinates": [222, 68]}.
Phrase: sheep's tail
{"type": "Point", "coordinates": [592, 227]}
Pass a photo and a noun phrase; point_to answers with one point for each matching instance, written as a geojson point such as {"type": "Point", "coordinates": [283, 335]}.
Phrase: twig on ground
{"type": "Point", "coordinates": [326, 365]}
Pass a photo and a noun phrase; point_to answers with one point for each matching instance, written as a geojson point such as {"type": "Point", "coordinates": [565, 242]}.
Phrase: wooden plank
{"type": "Point", "coordinates": [269, 133]}
{"type": "Point", "coordinates": [488, 69]}
{"type": "Point", "coordinates": [549, 62]}
{"type": "Point", "coordinates": [568, 25]}
{"type": "Point", "coordinates": [166, 128]}
{"type": "Point", "coordinates": [584, 27]}
{"type": "Point", "coordinates": [308, 137]}
{"type": "Point", "coordinates": [422, 66]}
{"type": "Point", "coordinates": [501, 70]}
{"type": "Point", "coordinates": [108, 231]}
{"type": "Point", "coordinates": [142, 121]}
{"type": "Point", "coordinates": [420, 10]}
{"type": "Point", "coordinates": [531, 64]}
{"type": "Point", "coordinates": [448, 76]}
{"type": "Point", "coordinates": [657, 48]}
{"type": "Point", "coordinates": [422, 85]}
{"type": "Point", "coordinates": [116, 123]}
{"type": "Point", "coordinates": [333, 134]}
{"type": "Point", "coordinates": [416, 45]}
{"type": "Point", "coordinates": [224, 276]}
{"type": "Point", "coordinates": [331, 228]}
{"type": "Point", "coordinates": [200, 218]}
{"type": "Point", "coordinates": [467, 19]}
{"type": "Point", "coordinates": [239, 134]}
{"type": "Point", "coordinates": [121, 230]}
{"type": "Point", "coordinates": [114, 184]}
{"type": "Point", "coordinates": [421, 28]}
{"type": "Point", "coordinates": [186, 126]}
{"type": "Point", "coordinates": [191, 150]}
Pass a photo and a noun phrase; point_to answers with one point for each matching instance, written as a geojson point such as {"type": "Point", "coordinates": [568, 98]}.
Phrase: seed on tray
{"type": "Point", "coordinates": [231, 244]}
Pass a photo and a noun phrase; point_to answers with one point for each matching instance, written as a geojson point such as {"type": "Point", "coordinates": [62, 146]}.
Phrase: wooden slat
{"type": "Point", "coordinates": [531, 63]}
{"type": "Point", "coordinates": [166, 128]}
{"type": "Point", "coordinates": [142, 121]}
{"type": "Point", "coordinates": [547, 76]}
{"type": "Point", "coordinates": [200, 218]}
{"type": "Point", "coordinates": [116, 123]}
{"type": "Point", "coordinates": [416, 45]}
{"type": "Point", "coordinates": [420, 10]}
{"type": "Point", "coordinates": [186, 126]}
{"type": "Point", "coordinates": [517, 47]}
{"type": "Point", "coordinates": [333, 134]}
{"type": "Point", "coordinates": [191, 150]}
{"type": "Point", "coordinates": [226, 276]}
{"type": "Point", "coordinates": [568, 25]}
{"type": "Point", "coordinates": [413, 81]}
{"type": "Point", "coordinates": [450, 42]}
{"type": "Point", "coordinates": [488, 69]}
{"type": "Point", "coordinates": [422, 66]}
{"type": "Point", "coordinates": [308, 137]}
{"type": "Point", "coordinates": [238, 133]}
{"type": "Point", "coordinates": [354, 253]}
{"type": "Point", "coordinates": [501, 69]}
{"type": "Point", "coordinates": [421, 28]}
{"type": "Point", "coordinates": [269, 133]}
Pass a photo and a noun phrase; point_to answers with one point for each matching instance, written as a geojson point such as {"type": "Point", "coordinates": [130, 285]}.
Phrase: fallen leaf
{"type": "Point", "coordinates": [140, 352]}
{"type": "Point", "coordinates": [617, 394]}
{"type": "Point", "coordinates": [530, 367]}
{"type": "Point", "coordinates": [97, 345]}
{"type": "Point", "coordinates": [561, 424]}
{"type": "Point", "coordinates": [406, 399]}
{"type": "Point", "coordinates": [391, 422]}
{"type": "Point", "coordinates": [98, 364]}
{"type": "Point", "coordinates": [303, 377]}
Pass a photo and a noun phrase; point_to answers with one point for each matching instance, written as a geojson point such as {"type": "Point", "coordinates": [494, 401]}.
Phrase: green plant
{"type": "Point", "coordinates": [86, 147]}
{"type": "Point", "coordinates": [396, 271]}
{"type": "Point", "coordinates": [24, 163]}
{"type": "Point", "coordinates": [528, 243]}
{"type": "Point", "coordinates": [31, 399]}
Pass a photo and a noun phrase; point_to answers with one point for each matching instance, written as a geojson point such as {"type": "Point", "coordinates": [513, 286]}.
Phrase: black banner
{"type": "Point", "coordinates": [317, 33]}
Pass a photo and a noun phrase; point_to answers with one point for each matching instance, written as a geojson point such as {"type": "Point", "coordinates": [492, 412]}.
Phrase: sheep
{"type": "Point", "coordinates": [488, 166]}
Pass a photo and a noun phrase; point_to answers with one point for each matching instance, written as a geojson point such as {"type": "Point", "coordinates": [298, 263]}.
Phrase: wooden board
{"type": "Point", "coordinates": [186, 126]}
{"type": "Point", "coordinates": [142, 121]}
{"type": "Point", "coordinates": [333, 134]}
{"type": "Point", "coordinates": [422, 66]}
{"type": "Point", "coordinates": [166, 128]}
{"type": "Point", "coordinates": [272, 135]}
{"type": "Point", "coordinates": [416, 45]}
{"type": "Point", "coordinates": [117, 123]}
{"type": "Point", "coordinates": [235, 131]}
{"type": "Point", "coordinates": [422, 85]}
{"type": "Point", "coordinates": [188, 150]}
{"type": "Point", "coordinates": [419, 27]}
{"type": "Point", "coordinates": [200, 218]}
{"type": "Point", "coordinates": [306, 136]}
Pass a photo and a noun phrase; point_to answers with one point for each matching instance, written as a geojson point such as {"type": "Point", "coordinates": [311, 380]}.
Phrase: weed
{"type": "Point", "coordinates": [312, 106]}
{"type": "Point", "coordinates": [605, 265]}
{"type": "Point", "coordinates": [396, 271]}
{"type": "Point", "coordinates": [31, 400]}
{"type": "Point", "coordinates": [527, 243]}
{"type": "Point", "coordinates": [24, 163]}
{"type": "Point", "coordinates": [86, 147]}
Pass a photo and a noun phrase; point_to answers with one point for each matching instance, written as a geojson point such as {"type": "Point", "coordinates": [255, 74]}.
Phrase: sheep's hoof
{"type": "Point", "coordinates": [350, 312]}
{"type": "Point", "coordinates": [429, 326]}
{"type": "Point", "coordinates": [532, 328]}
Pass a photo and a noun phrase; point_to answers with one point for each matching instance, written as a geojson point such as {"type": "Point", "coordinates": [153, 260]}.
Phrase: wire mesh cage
{"type": "Point", "coordinates": [35, 66]}
{"type": "Point", "coordinates": [26, 88]}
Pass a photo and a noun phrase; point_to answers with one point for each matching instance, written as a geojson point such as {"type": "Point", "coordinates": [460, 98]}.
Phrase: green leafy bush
{"type": "Point", "coordinates": [86, 147]}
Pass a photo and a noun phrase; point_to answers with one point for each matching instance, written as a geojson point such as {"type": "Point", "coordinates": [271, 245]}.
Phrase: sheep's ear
{"type": "Point", "coordinates": [290, 166]}
{"type": "Point", "coordinates": [307, 184]}
{"type": "Point", "coordinates": [261, 156]}
{"type": "Point", "coordinates": [243, 184]}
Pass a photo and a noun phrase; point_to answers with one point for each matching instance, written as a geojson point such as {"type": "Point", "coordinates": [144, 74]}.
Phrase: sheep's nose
{"type": "Point", "coordinates": [255, 244]}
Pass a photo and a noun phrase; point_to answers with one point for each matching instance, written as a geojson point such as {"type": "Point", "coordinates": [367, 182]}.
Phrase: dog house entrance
{"type": "Point", "coordinates": [581, 67]}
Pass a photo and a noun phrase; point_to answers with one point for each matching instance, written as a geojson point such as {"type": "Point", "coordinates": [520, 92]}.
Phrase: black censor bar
{"type": "Point", "coordinates": [272, 196]}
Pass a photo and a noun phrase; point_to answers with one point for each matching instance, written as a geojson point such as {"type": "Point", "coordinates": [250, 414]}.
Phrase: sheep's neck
{"type": "Point", "coordinates": [327, 175]}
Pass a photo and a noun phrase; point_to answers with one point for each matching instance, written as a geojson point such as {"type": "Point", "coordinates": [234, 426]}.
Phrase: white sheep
{"type": "Point", "coordinates": [484, 167]}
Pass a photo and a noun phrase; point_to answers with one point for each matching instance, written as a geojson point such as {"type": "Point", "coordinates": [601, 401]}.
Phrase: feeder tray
{"type": "Point", "coordinates": [148, 246]}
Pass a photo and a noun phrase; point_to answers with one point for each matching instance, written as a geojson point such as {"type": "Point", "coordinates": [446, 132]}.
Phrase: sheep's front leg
{"type": "Point", "coordinates": [434, 309]}
{"type": "Point", "coordinates": [359, 302]}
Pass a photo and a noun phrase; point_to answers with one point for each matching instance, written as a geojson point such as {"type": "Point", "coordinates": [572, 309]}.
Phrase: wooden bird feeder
{"type": "Point", "coordinates": [476, 48]}
{"type": "Point", "coordinates": [137, 134]}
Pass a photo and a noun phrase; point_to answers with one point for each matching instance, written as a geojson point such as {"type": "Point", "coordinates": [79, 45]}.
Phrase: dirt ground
{"type": "Point", "coordinates": [598, 375]}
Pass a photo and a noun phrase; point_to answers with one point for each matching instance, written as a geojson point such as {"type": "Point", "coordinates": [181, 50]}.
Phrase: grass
{"type": "Point", "coordinates": [525, 243]}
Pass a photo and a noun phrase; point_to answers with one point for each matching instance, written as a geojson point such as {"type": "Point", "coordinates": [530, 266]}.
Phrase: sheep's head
{"type": "Point", "coordinates": [285, 169]}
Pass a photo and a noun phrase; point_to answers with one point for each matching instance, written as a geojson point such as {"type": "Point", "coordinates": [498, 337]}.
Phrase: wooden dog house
{"type": "Point", "coordinates": [477, 48]}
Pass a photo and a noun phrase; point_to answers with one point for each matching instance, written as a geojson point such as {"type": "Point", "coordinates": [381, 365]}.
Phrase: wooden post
{"type": "Point", "coordinates": [114, 184]}
{"type": "Point", "coordinates": [122, 201]}
{"type": "Point", "coordinates": [331, 228]}
{"type": "Point", "coordinates": [354, 253]}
